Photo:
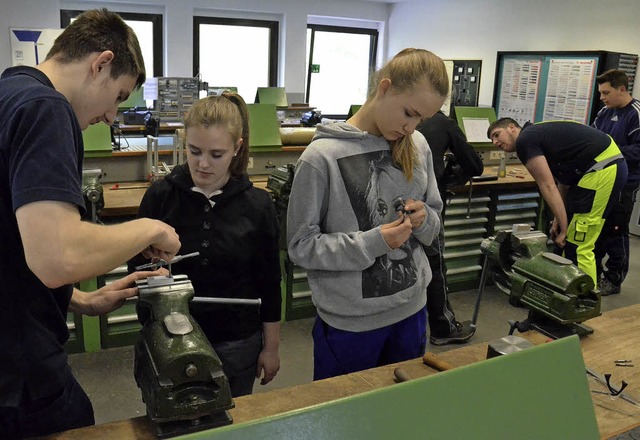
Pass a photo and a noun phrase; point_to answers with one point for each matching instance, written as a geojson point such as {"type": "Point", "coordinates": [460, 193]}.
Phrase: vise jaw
{"type": "Point", "coordinates": [178, 372]}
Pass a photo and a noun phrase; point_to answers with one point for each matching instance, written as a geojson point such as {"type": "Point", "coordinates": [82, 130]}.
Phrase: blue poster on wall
{"type": "Point", "coordinates": [29, 47]}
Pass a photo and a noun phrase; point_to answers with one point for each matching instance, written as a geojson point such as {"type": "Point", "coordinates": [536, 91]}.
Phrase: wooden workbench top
{"type": "Point", "coordinates": [615, 337]}
{"type": "Point", "coordinates": [123, 199]}
{"type": "Point", "coordinates": [516, 176]}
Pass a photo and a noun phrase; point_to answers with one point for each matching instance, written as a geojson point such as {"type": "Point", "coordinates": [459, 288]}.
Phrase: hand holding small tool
{"type": "Point", "coordinates": [156, 264]}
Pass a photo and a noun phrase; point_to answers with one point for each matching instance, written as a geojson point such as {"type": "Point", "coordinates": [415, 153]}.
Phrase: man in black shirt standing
{"type": "Point", "coordinates": [443, 134]}
{"type": "Point", "coordinates": [590, 173]}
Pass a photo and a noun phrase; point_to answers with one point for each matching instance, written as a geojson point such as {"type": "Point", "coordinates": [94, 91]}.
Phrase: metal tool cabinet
{"type": "Point", "coordinates": [468, 222]}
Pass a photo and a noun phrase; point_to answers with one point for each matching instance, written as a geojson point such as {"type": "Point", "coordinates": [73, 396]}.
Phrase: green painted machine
{"type": "Point", "coordinates": [178, 372]}
{"type": "Point", "coordinates": [559, 296]}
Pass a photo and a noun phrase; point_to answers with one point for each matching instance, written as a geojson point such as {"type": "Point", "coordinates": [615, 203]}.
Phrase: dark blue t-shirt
{"type": "Point", "coordinates": [41, 154]}
{"type": "Point", "coordinates": [569, 147]}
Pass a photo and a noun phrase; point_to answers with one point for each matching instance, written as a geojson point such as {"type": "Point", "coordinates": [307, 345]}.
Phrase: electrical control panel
{"type": "Point", "coordinates": [465, 83]}
{"type": "Point", "coordinates": [175, 97]}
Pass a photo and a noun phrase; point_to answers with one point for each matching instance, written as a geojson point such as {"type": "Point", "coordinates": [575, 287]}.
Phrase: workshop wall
{"type": "Point", "coordinates": [453, 29]}
{"type": "Point", "coordinates": [178, 25]}
{"type": "Point", "coordinates": [478, 29]}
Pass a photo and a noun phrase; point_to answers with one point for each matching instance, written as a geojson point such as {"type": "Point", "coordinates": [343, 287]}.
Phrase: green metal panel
{"type": "Point", "coordinates": [463, 236]}
{"type": "Point", "coordinates": [353, 109]}
{"type": "Point", "coordinates": [272, 95]}
{"type": "Point", "coordinates": [264, 128]}
{"type": "Point", "coordinates": [135, 99]}
{"type": "Point", "coordinates": [298, 302]}
{"type": "Point", "coordinates": [487, 113]}
{"type": "Point", "coordinates": [90, 324]}
{"type": "Point", "coordinates": [538, 393]}
{"type": "Point", "coordinates": [97, 140]}
{"type": "Point", "coordinates": [120, 327]}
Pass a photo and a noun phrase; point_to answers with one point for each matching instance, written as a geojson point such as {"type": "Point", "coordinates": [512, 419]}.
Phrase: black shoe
{"type": "Point", "coordinates": [607, 288]}
{"type": "Point", "coordinates": [462, 333]}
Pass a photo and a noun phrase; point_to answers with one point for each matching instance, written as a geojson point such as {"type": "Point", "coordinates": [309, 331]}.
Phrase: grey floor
{"type": "Point", "coordinates": [107, 375]}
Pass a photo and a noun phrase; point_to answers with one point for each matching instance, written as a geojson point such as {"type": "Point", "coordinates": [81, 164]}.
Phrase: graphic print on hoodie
{"type": "Point", "coordinates": [369, 181]}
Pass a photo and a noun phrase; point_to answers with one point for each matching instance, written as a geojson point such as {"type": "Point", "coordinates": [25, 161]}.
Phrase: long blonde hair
{"type": "Point", "coordinates": [230, 111]}
{"type": "Point", "coordinates": [409, 67]}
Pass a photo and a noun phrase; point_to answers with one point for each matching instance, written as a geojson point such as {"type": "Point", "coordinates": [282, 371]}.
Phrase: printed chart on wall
{"type": "Point", "coordinates": [538, 87]}
{"type": "Point", "coordinates": [569, 89]}
{"type": "Point", "coordinates": [519, 89]}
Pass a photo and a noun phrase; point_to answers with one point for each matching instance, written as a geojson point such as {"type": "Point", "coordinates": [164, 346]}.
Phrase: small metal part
{"type": "Point", "coordinates": [623, 363]}
{"type": "Point", "coordinates": [507, 345]}
{"type": "Point", "coordinates": [191, 370]}
{"type": "Point", "coordinates": [159, 280]}
{"type": "Point", "coordinates": [177, 324]}
{"type": "Point", "coordinates": [157, 264]}
{"type": "Point", "coordinates": [606, 393]}
{"type": "Point", "coordinates": [398, 204]}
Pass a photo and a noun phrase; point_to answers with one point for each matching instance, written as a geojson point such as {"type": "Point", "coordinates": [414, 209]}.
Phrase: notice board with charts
{"type": "Point", "coordinates": [545, 86]}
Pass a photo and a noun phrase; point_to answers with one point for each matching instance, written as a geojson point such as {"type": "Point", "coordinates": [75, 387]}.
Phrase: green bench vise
{"type": "Point", "coordinates": [558, 294]}
{"type": "Point", "coordinates": [178, 372]}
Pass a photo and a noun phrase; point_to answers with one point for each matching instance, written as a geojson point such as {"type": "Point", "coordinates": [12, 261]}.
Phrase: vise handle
{"type": "Point", "coordinates": [401, 375]}
{"type": "Point", "coordinates": [433, 361]}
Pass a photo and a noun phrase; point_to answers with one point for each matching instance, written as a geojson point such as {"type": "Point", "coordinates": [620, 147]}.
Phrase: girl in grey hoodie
{"type": "Point", "coordinates": [364, 200]}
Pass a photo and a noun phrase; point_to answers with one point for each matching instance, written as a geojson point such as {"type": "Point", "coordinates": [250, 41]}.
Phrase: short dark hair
{"type": "Point", "coordinates": [617, 78]}
{"type": "Point", "coordinates": [501, 123]}
{"type": "Point", "coordinates": [98, 30]}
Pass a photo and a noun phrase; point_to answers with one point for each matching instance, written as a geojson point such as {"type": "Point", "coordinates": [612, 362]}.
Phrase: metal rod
{"type": "Point", "coordinates": [241, 301]}
{"type": "Point", "coordinates": [483, 280]}
{"type": "Point", "coordinates": [470, 194]}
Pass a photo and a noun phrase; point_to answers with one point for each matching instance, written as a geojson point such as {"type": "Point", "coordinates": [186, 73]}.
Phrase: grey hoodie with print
{"type": "Point", "coordinates": [343, 191]}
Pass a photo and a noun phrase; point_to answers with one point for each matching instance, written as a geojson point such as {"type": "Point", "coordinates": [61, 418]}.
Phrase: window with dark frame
{"type": "Point", "coordinates": [151, 45]}
{"type": "Point", "coordinates": [233, 52]}
{"type": "Point", "coordinates": [340, 61]}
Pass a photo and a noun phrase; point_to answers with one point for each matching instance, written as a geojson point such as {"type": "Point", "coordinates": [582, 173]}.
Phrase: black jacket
{"type": "Point", "coordinates": [443, 134]}
{"type": "Point", "coordinates": [237, 239]}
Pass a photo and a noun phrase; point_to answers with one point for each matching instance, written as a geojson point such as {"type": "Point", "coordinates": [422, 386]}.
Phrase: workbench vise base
{"type": "Point", "coordinates": [178, 372]}
{"type": "Point", "coordinates": [553, 329]}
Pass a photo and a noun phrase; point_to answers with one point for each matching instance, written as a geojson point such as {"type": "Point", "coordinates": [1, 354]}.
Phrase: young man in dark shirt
{"type": "Point", "coordinates": [620, 119]}
{"type": "Point", "coordinates": [590, 172]}
{"type": "Point", "coordinates": [93, 66]}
